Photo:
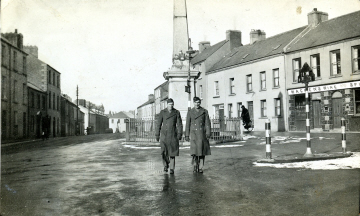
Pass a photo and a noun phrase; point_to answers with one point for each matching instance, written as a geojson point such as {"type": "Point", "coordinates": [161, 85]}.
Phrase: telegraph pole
{"type": "Point", "coordinates": [77, 110]}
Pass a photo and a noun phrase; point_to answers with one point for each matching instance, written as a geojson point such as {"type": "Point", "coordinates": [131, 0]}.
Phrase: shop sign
{"type": "Point", "coordinates": [336, 86]}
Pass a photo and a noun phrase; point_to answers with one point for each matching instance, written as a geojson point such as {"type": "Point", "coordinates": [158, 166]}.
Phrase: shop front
{"type": "Point", "coordinates": [328, 105]}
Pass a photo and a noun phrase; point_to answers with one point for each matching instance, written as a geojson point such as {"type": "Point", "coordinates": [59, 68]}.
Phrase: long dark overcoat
{"type": "Point", "coordinates": [198, 126]}
{"type": "Point", "coordinates": [168, 127]}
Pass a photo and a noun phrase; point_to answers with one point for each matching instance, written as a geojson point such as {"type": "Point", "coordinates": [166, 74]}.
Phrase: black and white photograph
{"type": "Point", "coordinates": [180, 107]}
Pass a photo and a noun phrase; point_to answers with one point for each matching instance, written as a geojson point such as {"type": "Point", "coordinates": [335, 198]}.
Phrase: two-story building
{"type": "Point", "coordinates": [36, 109]}
{"type": "Point", "coordinates": [331, 48]}
{"type": "Point", "coordinates": [14, 90]}
{"type": "Point", "coordinates": [117, 121]}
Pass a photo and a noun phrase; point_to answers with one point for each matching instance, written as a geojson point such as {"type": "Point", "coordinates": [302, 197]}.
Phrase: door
{"type": "Point", "coordinates": [221, 118]}
{"type": "Point", "coordinates": [316, 113]}
{"type": "Point", "coordinates": [337, 111]}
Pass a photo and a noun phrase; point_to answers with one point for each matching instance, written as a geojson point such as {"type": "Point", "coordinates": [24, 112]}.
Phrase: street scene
{"type": "Point", "coordinates": [180, 107]}
{"type": "Point", "coordinates": [107, 176]}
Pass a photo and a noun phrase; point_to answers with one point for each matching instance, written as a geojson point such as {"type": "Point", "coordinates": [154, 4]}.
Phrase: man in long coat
{"type": "Point", "coordinates": [169, 131]}
{"type": "Point", "coordinates": [198, 132]}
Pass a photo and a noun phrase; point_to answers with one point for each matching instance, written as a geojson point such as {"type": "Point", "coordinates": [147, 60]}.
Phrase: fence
{"type": "Point", "coordinates": [143, 130]}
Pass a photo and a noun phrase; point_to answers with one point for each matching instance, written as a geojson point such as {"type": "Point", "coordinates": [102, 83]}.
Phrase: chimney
{"type": "Point", "coordinates": [315, 17]}
{"type": "Point", "coordinates": [234, 37]}
{"type": "Point", "coordinates": [151, 97]}
{"type": "Point", "coordinates": [15, 39]}
{"type": "Point", "coordinates": [33, 50]}
{"type": "Point", "coordinates": [257, 35]}
{"type": "Point", "coordinates": [203, 45]}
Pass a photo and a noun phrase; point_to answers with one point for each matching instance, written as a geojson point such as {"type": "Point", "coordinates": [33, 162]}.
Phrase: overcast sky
{"type": "Point", "coordinates": [117, 50]}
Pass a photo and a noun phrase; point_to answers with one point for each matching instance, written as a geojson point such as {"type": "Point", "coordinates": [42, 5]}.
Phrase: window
{"type": "Point", "coordinates": [263, 108]}
{"type": "Point", "coordinates": [239, 109]}
{"type": "Point", "coordinates": [277, 107]}
{"type": "Point", "coordinates": [315, 64]}
{"type": "Point", "coordinates": [249, 83]}
{"type": "Point", "coordinates": [38, 101]}
{"type": "Point", "coordinates": [24, 65]}
{"type": "Point", "coordinates": [296, 69]}
{"type": "Point", "coordinates": [43, 102]}
{"type": "Point", "coordinates": [357, 101]}
{"type": "Point", "coordinates": [230, 110]}
{"type": "Point", "coordinates": [335, 63]}
{"type": "Point", "coordinates": [112, 120]}
{"type": "Point", "coordinates": [14, 91]}
{"type": "Point", "coordinates": [24, 93]}
{"type": "Point", "coordinates": [232, 86]}
{"type": "Point", "coordinates": [3, 54]}
{"type": "Point", "coordinates": [54, 107]}
{"type": "Point", "coordinates": [58, 81]}
{"type": "Point", "coordinates": [49, 75]}
{"type": "Point", "coordinates": [201, 91]}
{"type": "Point", "coordinates": [356, 59]}
{"type": "Point", "coordinates": [263, 80]}
{"type": "Point", "coordinates": [32, 123]}
{"type": "Point", "coordinates": [49, 100]}
{"type": "Point", "coordinates": [32, 102]}
{"type": "Point", "coordinates": [276, 77]}
{"type": "Point", "coordinates": [216, 85]}
{"type": "Point", "coordinates": [3, 87]}
{"type": "Point", "coordinates": [54, 77]}
{"type": "Point", "coordinates": [14, 61]}
{"type": "Point", "coordinates": [58, 102]}
{"type": "Point", "coordinates": [15, 118]}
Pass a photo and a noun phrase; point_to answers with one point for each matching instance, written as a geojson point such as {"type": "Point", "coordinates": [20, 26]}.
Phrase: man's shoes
{"type": "Point", "coordinates": [171, 171]}
{"type": "Point", "coordinates": [165, 168]}
{"type": "Point", "coordinates": [196, 168]}
{"type": "Point", "coordinates": [201, 171]}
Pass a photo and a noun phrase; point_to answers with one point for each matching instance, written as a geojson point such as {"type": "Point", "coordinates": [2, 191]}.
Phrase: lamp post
{"type": "Point", "coordinates": [306, 75]}
{"type": "Point", "coordinates": [183, 57]}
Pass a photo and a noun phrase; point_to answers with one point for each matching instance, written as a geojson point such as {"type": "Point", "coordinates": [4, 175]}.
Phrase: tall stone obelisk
{"type": "Point", "coordinates": [179, 71]}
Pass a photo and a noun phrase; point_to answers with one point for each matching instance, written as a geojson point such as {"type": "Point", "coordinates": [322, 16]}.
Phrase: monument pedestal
{"type": "Point", "coordinates": [177, 81]}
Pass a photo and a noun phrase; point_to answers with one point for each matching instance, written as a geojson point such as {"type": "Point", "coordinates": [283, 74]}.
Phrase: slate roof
{"type": "Point", "coordinates": [337, 29]}
{"type": "Point", "coordinates": [119, 115]}
{"type": "Point", "coordinates": [147, 102]}
{"type": "Point", "coordinates": [208, 51]}
{"type": "Point", "coordinates": [270, 46]}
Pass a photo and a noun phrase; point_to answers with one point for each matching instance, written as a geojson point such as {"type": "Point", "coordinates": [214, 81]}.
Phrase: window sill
{"type": "Point", "coordinates": [318, 78]}
{"type": "Point", "coordinates": [276, 87]}
{"type": "Point", "coordinates": [275, 117]}
{"type": "Point", "coordinates": [250, 92]}
{"type": "Point", "coordinates": [216, 96]}
{"type": "Point", "coordinates": [335, 76]}
{"type": "Point", "coordinates": [261, 90]}
{"type": "Point", "coordinates": [264, 117]}
{"type": "Point", "coordinates": [296, 83]}
{"type": "Point", "coordinates": [233, 94]}
{"type": "Point", "coordinates": [355, 73]}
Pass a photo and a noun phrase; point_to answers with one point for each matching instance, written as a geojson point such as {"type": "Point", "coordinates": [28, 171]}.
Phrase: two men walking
{"type": "Point", "coordinates": [169, 131]}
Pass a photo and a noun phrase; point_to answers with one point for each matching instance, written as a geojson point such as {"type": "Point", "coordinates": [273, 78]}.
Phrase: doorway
{"type": "Point", "coordinates": [316, 113]}
{"type": "Point", "coordinates": [337, 109]}
{"type": "Point", "coordinates": [251, 110]}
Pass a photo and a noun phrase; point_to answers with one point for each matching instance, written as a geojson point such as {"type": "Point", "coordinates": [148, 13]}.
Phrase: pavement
{"type": "Point", "coordinates": [318, 139]}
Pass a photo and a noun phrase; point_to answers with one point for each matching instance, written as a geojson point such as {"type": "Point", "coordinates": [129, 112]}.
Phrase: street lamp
{"type": "Point", "coordinates": [183, 57]}
{"type": "Point", "coordinates": [306, 75]}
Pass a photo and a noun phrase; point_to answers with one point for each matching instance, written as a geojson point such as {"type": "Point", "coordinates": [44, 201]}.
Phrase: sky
{"type": "Point", "coordinates": [116, 51]}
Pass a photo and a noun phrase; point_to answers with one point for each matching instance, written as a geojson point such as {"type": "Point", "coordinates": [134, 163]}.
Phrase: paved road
{"type": "Point", "coordinates": [106, 177]}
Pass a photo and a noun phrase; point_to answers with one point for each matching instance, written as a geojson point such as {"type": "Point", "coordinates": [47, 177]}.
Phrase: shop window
{"type": "Point", "coordinates": [263, 80]}
{"type": "Point", "coordinates": [276, 77]}
{"type": "Point", "coordinates": [263, 108]}
{"type": "Point", "coordinates": [249, 87]}
{"type": "Point", "coordinates": [296, 69]}
{"type": "Point", "coordinates": [357, 101]}
{"type": "Point", "coordinates": [315, 64]}
{"type": "Point", "coordinates": [335, 62]}
{"type": "Point", "coordinates": [356, 59]}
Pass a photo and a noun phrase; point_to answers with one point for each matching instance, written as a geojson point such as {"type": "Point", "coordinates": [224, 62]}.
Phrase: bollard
{"type": "Point", "coordinates": [343, 135]}
{"type": "Point", "coordinates": [308, 141]}
{"type": "Point", "coordinates": [268, 138]}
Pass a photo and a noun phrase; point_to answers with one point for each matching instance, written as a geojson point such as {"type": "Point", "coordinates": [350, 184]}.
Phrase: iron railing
{"type": "Point", "coordinates": [143, 130]}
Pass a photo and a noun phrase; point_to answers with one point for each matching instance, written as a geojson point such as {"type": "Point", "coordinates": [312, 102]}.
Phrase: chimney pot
{"type": "Point", "coordinates": [257, 35]}
{"type": "Point", "coordinates": [203, 45]}
{"type": "Point", "coordinates": [315, 17]}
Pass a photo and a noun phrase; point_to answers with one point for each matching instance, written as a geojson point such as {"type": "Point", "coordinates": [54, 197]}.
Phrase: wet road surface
{"type": "Point", "coordinates": [109, 178]}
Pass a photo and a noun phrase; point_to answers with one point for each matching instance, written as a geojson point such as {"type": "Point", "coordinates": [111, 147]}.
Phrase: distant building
{"type": "Point", "coordinates": [147, 109]}
{"type": "Point", "coordinates": [36, 109]}
{"type": "Point", "coordinates": [117, 121]}
{"type": "Point", "coordinates": [14, 90]}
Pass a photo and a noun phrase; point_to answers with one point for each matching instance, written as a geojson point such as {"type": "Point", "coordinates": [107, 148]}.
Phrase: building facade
{"type": "Point", "coordinates": [37, 110]}
{"type": "Point", "coordinates": [14, 90]}
{"type": "Point", "coordinates": [335, 62]}
{"type": "Point", "coordinates": [117, 121]}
